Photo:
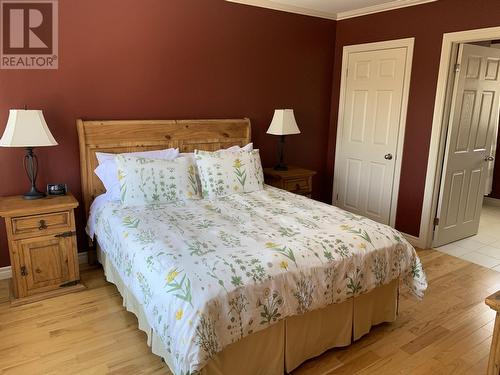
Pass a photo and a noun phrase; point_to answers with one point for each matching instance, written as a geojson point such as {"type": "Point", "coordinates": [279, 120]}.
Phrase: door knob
{"type": "Point", "coordinates": [489, 158]}
{"type": "Point", "coordinates": [388, 157]}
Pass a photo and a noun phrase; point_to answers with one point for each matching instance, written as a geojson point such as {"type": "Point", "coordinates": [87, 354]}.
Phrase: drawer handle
{"type": "Point", "coordinates": [38, 270]}
{"type": "Point", "coordinates": [297, 187]}
{"type": "Point", "coordinates": [65, 234]}
{"type": "Point", "coordinates": [43, 225]}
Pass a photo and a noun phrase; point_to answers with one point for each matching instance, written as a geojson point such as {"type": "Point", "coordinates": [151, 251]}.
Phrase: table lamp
{"type": "Point", "coordinates": [283, 123]}
{"type": "Point", "coordinates": [28, 129]}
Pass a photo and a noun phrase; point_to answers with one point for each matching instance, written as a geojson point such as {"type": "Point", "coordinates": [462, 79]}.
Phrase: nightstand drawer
{"type": "Point", "coordinates": [40, 224]}
{"type": "Point", "coordinates": [295, 180]}
{"type": "Point", "coordinates": [297, 185]}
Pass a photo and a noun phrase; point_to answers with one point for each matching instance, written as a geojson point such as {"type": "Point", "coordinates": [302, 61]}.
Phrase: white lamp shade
{"type": "Point", "coordinates": [283, 123]}
{"type": "Point", "coordinates": [26, 128]}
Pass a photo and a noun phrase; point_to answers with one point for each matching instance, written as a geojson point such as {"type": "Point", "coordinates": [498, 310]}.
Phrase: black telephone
{"type": "Point", "coordinates": [57, 189]}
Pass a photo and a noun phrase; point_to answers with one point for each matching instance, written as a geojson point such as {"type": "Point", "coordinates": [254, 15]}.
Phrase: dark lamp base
{"type": "Point", "coordinates": [30, 163]}
{"type": "Point", "coordinates": [33, 194]}
{"type": "Point", "coordinates": [281, 167]}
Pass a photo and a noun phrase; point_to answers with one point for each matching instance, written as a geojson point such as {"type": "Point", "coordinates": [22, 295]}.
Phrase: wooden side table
{"type": "Point", "coordinates": [42, 246]}
{"type": "Point", "coordinates": [295, 180]}
{"type": "Point", "coordinates": [493, 302]}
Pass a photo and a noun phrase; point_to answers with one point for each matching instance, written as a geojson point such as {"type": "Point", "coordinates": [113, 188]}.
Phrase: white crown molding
{"type": "Point", "coordinates": [270, 4]}
{"type": "Point", "coordinates": [396, 4]}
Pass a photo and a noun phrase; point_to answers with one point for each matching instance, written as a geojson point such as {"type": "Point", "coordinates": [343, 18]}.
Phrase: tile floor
{"type": "Point", "coordinates": [483, 248]}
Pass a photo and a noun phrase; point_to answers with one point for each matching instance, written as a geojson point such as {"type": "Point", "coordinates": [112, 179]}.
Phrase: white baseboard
{"type": "Point", "coordinates": [415, 241]}
{"type": "Point", "coordinates": [6, 272]}
{"type": "Point", "coordinates": [83, 257]}
{"type": "Point", "coordinates": [488, 201]}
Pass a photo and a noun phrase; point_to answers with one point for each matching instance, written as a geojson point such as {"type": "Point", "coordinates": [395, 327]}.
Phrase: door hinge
{"type": "Point", "coordinates": [457, 68]}
{"type": "Point", "coordinates": [66, 234]}
{"type": "Point", "coordinates": [24, 271]}
{"type": "Point", "coordinates": [69, 283]}
{"type": "Point", "coordinates": [436, 221]}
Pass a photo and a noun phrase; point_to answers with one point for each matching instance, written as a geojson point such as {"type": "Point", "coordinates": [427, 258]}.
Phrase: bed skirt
{"type": "Point", "coordinates": [285, 345]}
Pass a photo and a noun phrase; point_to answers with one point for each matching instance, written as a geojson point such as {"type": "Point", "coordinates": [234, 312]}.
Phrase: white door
{"type": "Point", "coordinates": [473, 118]}
{"type": "Point", "coordinates": [368, 132]}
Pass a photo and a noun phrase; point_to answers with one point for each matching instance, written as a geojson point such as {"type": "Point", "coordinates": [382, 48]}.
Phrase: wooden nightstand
{"type": "Point", "coordinates": [42, 246]}
{"type": "Point", "coordinates": [295, 180]}
{"type": "Point", "coordinates": [493, 302]}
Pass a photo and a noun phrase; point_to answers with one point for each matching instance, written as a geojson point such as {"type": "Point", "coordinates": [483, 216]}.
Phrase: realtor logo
{"type": "Point", "coordinates": [29, 34]}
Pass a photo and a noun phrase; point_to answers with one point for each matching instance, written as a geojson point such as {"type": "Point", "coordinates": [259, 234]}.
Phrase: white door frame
{"type": "Point", "coordinates": [398, 43]}
{"type": "Point", "coordinates": [437, 144]}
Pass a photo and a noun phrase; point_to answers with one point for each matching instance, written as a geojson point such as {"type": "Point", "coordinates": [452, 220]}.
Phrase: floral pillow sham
{"type": "Point", "coordinates": [224, 173]}
{"type": "Point", "coordinates": [146, 181]}
{"type": "Point", "coordinates": [107, 171]}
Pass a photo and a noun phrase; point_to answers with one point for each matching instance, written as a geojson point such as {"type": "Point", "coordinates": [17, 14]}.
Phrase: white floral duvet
{"type": "Point", "coordinates": [210, 272]}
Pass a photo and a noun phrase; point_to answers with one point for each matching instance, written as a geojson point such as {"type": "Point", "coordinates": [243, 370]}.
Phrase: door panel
{"type": "Point", "coordinates": [471, 207]}
{"type": "Point", "coordinates": [353, 184]}
{"type": "Point", "coordinates": [485, 123]}
{"type": "Point", "coordinates": [375, 206]}
{"type": "Point", "coordinates": [457, 184]}
{"type": "Point", "coordinates": [473, 118]}
{"type": "Point", "coordinates": [383, 107]}
{"type": "Point", "coordinates": [358, 116]}
{"type": "Point", "coordinates": [48, 262]}
{"type": "Point", "coordinates": [465, 124]}
{"type": "Point", "coordinates": [368, 131]}
{"type": "Point", "coordinates": [387, 68]}
{"type": "Point", "coordinates": [492, 68]}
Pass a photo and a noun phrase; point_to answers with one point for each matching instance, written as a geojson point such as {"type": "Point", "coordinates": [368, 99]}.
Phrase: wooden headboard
{"type": "Point", "coordinates": [144, 135]}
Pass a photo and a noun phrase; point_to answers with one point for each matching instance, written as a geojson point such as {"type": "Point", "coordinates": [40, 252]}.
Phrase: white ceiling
{"type": "Point", "coordinates": [332, 9]}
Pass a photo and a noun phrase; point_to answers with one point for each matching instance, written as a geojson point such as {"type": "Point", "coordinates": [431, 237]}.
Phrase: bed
{"type": "Point", "coordinates": [252, 283]}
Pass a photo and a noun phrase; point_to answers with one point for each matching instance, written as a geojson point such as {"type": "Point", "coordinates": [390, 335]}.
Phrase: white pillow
{"type": "Point", "coordinates": [224, 173]}
{"type": "Point", "coordinates": [248, 147]}
{"type": "Point", "coordinates": [107, 170]}
{"type": "Point", "coordinates": [151, 181]}
{"type": "Point", "coordinates": [236, 148]}
{"type": "Point", "coordinates": [167, 154]}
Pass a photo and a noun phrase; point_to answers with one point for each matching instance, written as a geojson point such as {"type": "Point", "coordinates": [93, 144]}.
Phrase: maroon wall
{"type": "Point", "coordinates": [426, 23]}
{"type": "Point", "coordinates": [129, 59]}
{"type": "Point", "coordinates": [495, 192]}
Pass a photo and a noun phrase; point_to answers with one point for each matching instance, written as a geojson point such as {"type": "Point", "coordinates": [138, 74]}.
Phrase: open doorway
{"type": "Point", "coordinates": [467, 224]}
{"type": "Point", "coordinates": [483, 248]}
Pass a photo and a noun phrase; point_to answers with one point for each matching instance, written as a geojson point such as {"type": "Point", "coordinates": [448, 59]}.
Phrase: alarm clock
{"type": "Point", "coordinates": [57, 189]}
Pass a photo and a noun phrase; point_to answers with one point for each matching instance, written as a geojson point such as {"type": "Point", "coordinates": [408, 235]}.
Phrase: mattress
{"type": "Point", "coordinates": [211, 272]}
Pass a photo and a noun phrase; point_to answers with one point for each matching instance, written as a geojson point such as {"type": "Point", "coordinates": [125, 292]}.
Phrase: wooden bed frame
{"type": "Point", "coordinates": [118, 136]}
{"type": "Point", "coordinates": [304, 336]}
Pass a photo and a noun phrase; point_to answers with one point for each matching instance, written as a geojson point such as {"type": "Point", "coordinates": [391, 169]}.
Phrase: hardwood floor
{"type": "Point", "coordinates": [90, 332]}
